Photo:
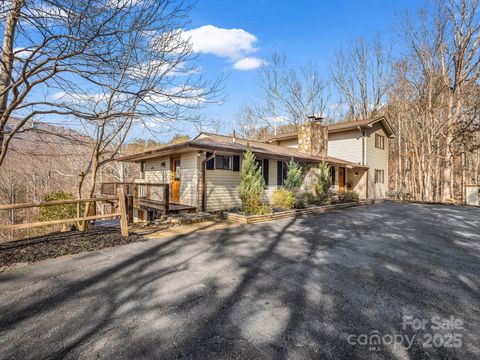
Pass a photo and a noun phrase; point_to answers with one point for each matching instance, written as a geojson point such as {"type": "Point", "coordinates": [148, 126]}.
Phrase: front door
{"type": "Point", "coordinates": [341, 179]}
{"type": "Point", "coordinates": [175, 166]}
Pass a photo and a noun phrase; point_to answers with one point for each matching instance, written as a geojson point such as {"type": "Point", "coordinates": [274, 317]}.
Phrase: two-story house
{"type": "Point", "coordinates": [205, 172]}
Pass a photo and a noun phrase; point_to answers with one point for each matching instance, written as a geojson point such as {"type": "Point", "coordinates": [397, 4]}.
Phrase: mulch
{"type": "Point", "coordinates": [60, 243]}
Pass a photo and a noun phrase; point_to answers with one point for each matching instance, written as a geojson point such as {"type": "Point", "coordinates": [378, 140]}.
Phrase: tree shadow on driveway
{"type": "Point", "coordinates": [295, 288]}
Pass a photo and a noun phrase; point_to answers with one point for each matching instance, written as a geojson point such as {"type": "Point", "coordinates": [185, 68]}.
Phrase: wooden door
{"type": "Point", "coordinates": [341, 179]}
{"type": "Point", "coordinates": [175, 187]}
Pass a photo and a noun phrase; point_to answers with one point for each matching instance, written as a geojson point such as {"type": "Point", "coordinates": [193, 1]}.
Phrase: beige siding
{"type": "Point", "coordinates": [155, 172]}
{"type": "Point", "coordinates": [272, 179]}
{"type": "Point", "coordinates": [358, 179]}
{"type": "Point", "coordinates": [223, 187]}
{"type": "Point", "coordinates": [189, 175]}
{"type": "Point", "coordinates": [346, 145]}
{"type": "Point", "coordinates": [292, 143]}
{"type": "Point", "coordinates": [376, 159]}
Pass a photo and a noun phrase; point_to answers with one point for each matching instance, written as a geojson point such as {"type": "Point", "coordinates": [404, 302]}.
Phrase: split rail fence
{"type": "Point", "coordinates": [121, 213]}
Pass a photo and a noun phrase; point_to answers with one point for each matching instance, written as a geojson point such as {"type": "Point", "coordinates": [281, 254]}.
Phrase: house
{"type": "Point", "coordinates": [205, 172]}
{"type": "Point", "coordinates": [362, 142]}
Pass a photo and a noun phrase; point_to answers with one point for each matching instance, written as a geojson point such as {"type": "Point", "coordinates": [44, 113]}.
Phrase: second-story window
{"type": "Point", "coordinates": [379, 141]}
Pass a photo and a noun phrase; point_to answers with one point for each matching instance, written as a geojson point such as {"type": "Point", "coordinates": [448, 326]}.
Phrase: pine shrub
{"type": "Point", "coordinates": [323, 181]}
{"type": "Point", "coordinates": [294, 176]}
{"type": "Point", "coordinates": [251, 185]}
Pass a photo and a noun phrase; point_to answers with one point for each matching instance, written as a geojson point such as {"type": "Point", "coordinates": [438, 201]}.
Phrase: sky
{"type": "Point", "coordinates": [235, 38]}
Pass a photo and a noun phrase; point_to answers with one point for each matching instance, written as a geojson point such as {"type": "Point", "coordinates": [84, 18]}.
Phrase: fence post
{"type": "Point", "coordinates": [123, 211]}
{"type": "Point", "coordinates": [166, 199]}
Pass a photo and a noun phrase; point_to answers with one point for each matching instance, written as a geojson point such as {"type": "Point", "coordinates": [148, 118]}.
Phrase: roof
{"type": "Point", "coordinates": [343, 126]}
{"type": "Point", "coordinates": [211, 142]}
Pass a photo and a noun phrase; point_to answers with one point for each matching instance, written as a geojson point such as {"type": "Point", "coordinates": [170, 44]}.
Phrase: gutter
{"type": "Point", "coordinates": [364, 145]}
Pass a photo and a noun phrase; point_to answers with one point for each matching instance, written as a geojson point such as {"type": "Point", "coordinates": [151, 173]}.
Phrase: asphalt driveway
{"type": "Point", "coordinates": [366, 282]}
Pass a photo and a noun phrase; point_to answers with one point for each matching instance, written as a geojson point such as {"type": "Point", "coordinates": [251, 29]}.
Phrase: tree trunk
{"type": "Point", "coordinates": [6, 67]}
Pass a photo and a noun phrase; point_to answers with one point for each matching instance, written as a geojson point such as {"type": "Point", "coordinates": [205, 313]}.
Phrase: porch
{"type": "Point", "coordinates": [145, 201]}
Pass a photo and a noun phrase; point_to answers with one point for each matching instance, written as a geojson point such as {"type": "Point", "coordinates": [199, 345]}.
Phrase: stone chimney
{"type": "Point", "coordinates": [313, 137]}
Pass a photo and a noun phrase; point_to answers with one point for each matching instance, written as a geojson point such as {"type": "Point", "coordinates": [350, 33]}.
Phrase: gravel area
{"type": "Point", "coordinates": [59, 244]}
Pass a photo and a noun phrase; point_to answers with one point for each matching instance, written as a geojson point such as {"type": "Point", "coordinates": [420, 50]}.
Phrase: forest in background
{"type": "Point", "coordinates": [430, 92]}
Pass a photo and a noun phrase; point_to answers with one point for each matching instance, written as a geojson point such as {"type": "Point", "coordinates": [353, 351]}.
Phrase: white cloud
{"type": "Point", "coordinates": [21, 53]}
{"type": "Point", "coordinates": [234, 44]}
{"type": "Point", "coordinates": [248, 63]}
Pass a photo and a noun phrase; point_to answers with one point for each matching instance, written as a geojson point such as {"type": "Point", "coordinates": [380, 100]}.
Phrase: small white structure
{"type": "Point", "coordinates": [472, 192]}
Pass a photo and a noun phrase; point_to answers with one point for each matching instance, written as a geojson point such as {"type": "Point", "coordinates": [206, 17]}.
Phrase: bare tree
{"type": "Point", "coordinates": [288, 96]}
{"type": "Point", "coordinates": [70, 50]}
{"type": "Point", "coordinates": [362, 75]}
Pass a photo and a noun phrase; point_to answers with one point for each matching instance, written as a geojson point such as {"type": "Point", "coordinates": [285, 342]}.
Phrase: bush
{"type": "Point", "coordinates": [348, 196]}
{"type": "Point", "coordinates": [58, 211]}
{"type": "Point", "coordinates": [302, 199]}
{"type": "Point", "coordinates": [323, 181]}
{"type": "Point", "coordinates": [294, 176]}
{"type": "Point", "coordinates": [327, 198]}
{"type": "Point", "coordinates": [283, 198]}
{"type": "Point", "coordinates": [251, 185]}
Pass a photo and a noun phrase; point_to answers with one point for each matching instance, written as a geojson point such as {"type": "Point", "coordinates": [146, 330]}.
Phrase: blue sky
{"type": "Point", "coordinates": [305, 30]}
{"type": "Point", "coordinates": [235, 38]}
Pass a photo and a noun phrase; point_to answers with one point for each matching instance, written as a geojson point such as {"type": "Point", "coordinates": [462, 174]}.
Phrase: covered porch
{"type": "Point", "coordinates": [350, 178]}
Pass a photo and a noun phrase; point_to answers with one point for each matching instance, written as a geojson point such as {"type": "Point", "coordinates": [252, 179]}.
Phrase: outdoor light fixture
{"type": "Point", "coordinates": [356, 173]}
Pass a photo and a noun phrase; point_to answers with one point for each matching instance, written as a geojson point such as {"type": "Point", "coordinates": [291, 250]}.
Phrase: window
{"type": "Point", "coordinates": [259, 165]}
{"type": "Point", "coordinates": [379, 141]}
{"type": "Point", "coordinates": [223, 162]}
{"type": "Point", "coordinates": [282, 170]}
{"type": "Point", "coordinates": [379, 176]}
{"type": "Point", "coordinates": [177, 169]}
{"type": "Point", "coordinates": [332, 174]}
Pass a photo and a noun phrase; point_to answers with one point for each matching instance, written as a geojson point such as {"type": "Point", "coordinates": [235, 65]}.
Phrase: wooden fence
{"type": "Point", "coordinates": [122, 212]}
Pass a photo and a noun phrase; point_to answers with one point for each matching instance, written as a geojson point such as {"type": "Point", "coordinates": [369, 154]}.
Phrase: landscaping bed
{"type": "Point", "coordinates": [252, 219]}
{"type": "Point", "coordinates": [59, 244]}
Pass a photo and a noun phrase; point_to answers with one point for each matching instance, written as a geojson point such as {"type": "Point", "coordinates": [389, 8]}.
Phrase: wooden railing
{"type": "Point", "coordinates": [140, 193]}
{"type": "Point", "coordinates": [122, 212]}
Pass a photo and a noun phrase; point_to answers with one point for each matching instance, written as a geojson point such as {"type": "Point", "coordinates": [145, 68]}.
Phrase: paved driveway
{"type": "Point", "coordinates": [317, 287]}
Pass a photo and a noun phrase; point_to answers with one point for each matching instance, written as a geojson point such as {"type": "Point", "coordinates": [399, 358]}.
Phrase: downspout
{"type": "Point", "coordinates": [364, 158]}
{"type": "Point", "coordinates": [204, 181]}
{"type": "Point", "coordinates": [363, 145]}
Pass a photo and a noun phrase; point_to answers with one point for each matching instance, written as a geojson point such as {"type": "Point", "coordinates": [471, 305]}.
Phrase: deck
{"type": "Point", "coordinates": [147, 204]}
{"type": "Point", "coordinates": [149, 199]}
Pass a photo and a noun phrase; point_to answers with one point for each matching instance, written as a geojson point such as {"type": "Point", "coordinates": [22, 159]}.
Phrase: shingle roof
{"type": "Point", "coordinates": [207, 141]}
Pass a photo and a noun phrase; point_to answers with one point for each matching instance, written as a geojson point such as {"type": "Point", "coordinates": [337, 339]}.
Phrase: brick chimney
{"type": "Point", "coordinates": [313, 137]}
